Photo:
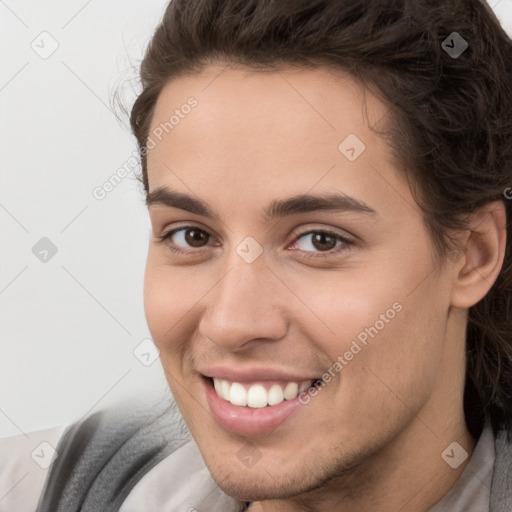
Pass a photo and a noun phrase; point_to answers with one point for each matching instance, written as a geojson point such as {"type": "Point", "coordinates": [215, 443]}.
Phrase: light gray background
{"type": "Point", "coordinates": [69, 325]}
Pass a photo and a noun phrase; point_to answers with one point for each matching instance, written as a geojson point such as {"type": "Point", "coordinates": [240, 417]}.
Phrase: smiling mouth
{"type": "Point", "coordinates": [259, 394]}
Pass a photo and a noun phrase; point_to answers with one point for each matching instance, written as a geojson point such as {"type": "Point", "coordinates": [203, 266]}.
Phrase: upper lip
{"type": "Point", "coordinates": [254, 374]}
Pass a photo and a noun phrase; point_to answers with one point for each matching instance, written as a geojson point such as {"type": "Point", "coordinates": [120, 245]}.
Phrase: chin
{"type": "Point", "coordinates": [258, 485]}
{"type": "Point", "coordinates": [268, 479]}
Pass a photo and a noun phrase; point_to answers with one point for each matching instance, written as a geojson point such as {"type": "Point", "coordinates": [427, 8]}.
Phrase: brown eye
{"type": "Point", "coordinates": [195, 237]}
{"type": "Point", "coordinates": [321, 243]}
{"type": "Point", "coordinates": [185, 238]}
{"type": "Point", "coordinates": [318, 240]}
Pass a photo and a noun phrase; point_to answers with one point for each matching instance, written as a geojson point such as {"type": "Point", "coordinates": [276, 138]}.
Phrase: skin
{"type": "Point", "coordinates": [373, 437]}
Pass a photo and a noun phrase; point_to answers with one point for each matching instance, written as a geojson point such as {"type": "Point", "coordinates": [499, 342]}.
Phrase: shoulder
{"type": "Point", "coordinates": [26, 461]}
{"type": "Point", "coordinates": [501, 486]}
{"type": "Point", "coordinates": [102, 456]}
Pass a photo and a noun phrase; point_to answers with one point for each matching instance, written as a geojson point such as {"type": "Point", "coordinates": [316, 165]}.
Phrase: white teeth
{"type": "Point", "coordinates": [305, 385]}
{"type": "Point", "coordinates": [224, 387]}
{"type": "Point", "coordinates": [256, 396]}
{"type": "Point", "coordinates": [275, 395]}
{"type": "Point", "coordinates": [291, 390]}
{"type": "Point", "coordinates": [237, 394]}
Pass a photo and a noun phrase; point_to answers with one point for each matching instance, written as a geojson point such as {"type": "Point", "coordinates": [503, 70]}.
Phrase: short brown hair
{"type": "Point", "coordinates": [450, 122]}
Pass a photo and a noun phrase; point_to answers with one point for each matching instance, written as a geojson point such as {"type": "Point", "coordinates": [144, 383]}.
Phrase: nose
{"type": "Point", "coordinates": [244, 307]}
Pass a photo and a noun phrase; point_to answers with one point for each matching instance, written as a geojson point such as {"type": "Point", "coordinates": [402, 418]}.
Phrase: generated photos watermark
{"type": "Point", "coordinates": [354, 349]}
{"type": "Point", "coordinates": [100, 192]}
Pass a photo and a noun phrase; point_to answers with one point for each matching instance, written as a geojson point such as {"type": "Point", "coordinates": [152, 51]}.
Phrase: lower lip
{"type": "Point", "coordinates": [248, 420]}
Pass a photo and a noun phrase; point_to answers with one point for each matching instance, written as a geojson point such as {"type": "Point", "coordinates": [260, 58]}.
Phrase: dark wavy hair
{"type": "Point", "coordinates": [449, 125]}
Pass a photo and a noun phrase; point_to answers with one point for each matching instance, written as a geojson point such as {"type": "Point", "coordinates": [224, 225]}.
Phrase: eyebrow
{"type": "Point", "coordinates": [278, 208]}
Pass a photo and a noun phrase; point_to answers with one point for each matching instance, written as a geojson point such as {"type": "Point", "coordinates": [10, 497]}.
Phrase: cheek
{"type": "Point", "coordinates": [398, 367]}
{"type": "Point", "coordinates": [168, 297]}
{"type": "Point", "coordinates": [168, 301]}
{"type": "Point", "coordinates": [157, 298]}
{"type": "Point", "coordinates": [396, 372]}
{"type": "Point", "coordinates": [384, 325]}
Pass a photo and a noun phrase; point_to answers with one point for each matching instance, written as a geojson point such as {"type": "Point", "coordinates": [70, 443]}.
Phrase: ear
{"type": "Point", "coordinates": [479, 266]}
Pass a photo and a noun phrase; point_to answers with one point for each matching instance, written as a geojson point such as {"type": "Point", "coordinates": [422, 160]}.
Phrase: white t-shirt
{"type": "Point", "coordinates": [181, 481]}
{"type": "Point", "coordinates": [24, 463]}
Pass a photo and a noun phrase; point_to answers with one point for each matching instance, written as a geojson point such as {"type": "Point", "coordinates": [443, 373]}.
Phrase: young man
{"type": "Point", "coordinates": [328, 278]}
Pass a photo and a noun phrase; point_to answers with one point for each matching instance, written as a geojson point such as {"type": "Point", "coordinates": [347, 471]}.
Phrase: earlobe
{"type": "Point", "coordinates": [483, 255]}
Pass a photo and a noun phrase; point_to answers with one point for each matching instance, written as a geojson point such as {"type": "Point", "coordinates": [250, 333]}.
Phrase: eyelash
{"type": "Point", "coordinates": [307, 254]}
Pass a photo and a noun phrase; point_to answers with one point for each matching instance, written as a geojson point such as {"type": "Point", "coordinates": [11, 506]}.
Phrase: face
{"type": "Point", "coordinates": [245, 285]}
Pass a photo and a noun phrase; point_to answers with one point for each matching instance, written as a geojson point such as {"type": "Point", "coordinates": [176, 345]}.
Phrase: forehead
{"type": "Point", "coordinates": [298, 103]}
{"type": "Point", "coordinates": [251, 132]}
